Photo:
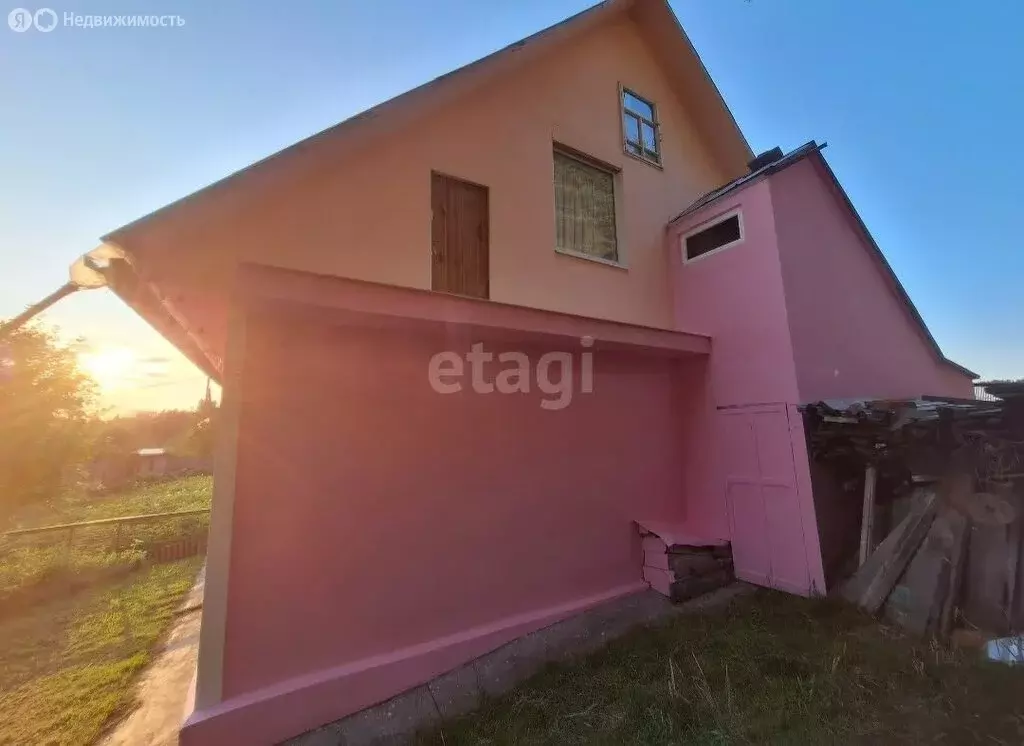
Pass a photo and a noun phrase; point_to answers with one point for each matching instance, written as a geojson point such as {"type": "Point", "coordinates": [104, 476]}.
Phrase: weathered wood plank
{"type": "Point", "coordinates": [917, 601]}
{"type": "Point", "coordinates": [867, 524]}
{"type": "Point", "coordinates": [985, 579]}
{"type": "Point", "coordinates": [1013, 540]}
{"type": "Point", "coordinates": [957, 560]}
{"type": "Point", "coordinates": [871, 584]}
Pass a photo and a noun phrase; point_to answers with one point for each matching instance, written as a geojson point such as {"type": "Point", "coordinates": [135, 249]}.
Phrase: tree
{"type": "Point", "coordinates": [127, 433]}
{"type": "Point", "coordinates": [44, 409]}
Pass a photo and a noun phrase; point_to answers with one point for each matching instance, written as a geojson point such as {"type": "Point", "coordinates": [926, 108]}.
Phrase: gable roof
{"type": "Point", "coordinates": [813, 150]}
{"type": "Point", "coordinates": [654, 18]}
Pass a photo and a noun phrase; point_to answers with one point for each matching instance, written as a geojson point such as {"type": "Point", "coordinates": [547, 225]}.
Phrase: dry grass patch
{"type": "Point", "coordinates": [772, 669]}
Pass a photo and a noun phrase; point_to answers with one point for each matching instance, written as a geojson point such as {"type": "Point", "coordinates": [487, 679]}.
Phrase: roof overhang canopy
{"type": "Point", "coordinates": [345, 302]}
{"type": "Point", "coordinates": [146, 300]}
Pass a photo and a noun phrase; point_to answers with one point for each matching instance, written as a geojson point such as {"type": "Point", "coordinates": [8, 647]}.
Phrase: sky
{"type": "Point", "coordinates": [922, 105]}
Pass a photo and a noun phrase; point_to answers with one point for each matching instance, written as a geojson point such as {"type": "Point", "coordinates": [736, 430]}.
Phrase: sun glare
{"type": "Point", "coordinates": [111, 368]}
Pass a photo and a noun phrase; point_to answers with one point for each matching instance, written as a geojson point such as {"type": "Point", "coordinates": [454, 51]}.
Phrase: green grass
{"type": "Point", "coordinates": [771, 669]}
{"type": "Point", "coordinates": [187, 493]}
{"type": "Point", "coordinates": [39, 559]}
{"type": "Point", "coordinates": [69, 665]}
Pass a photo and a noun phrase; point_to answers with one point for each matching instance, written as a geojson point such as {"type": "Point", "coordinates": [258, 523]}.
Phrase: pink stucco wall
{"type": "Point", "coordinates": [371, 218]}
{"type": "Point", "coordinates": [799, 310]}
{"type": "Point", "coordinates": [384, 533]}
{"type": "Point", "coordinates": [704, 509]}
{"type": "Point", "coordinates": [365, 213]}
{"type": "Point", "coordinates": [737, 297]}
{"type": "Point", "coordinates": [852, 336]}
{"type": "Point", "coordinates": [714, 297]}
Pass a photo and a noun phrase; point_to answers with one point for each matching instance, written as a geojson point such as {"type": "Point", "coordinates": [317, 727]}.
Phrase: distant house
{"type": "Point", "coordinates": [582, 192]}
{"type": "Point", "coordinates": [151, 462]}
{"type": "Point", "coordinates": [116, 470]}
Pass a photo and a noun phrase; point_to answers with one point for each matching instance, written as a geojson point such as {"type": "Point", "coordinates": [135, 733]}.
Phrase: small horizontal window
{"type": "Point", "coordinates": [721, 234]}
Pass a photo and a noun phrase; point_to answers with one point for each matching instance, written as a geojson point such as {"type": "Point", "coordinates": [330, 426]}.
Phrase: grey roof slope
{"type": "Point", "coordinates": [766, 170]}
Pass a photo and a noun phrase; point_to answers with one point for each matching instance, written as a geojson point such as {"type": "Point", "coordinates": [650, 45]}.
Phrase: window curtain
{"type": "Point", "coordinates": [584, 209]}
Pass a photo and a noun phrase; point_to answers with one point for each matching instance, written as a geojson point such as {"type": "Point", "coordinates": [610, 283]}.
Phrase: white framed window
{"type": "Point", "coordinates": [641, 137]}
{"type": "Point", "coordinates": [715, 235]}
{"type": "Point", "coordinates": [585, 219]}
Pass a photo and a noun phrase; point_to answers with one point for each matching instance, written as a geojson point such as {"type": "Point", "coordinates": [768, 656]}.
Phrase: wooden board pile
{"type": "Point", "coordinates": [684, 571]}
{"type": "Point", "coordinates": [949, 475]}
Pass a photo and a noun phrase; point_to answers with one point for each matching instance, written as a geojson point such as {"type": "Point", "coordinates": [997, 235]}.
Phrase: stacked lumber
{"type": "Point", "coordinates": [914, 576]}
{"type": "Point", "coordinates": [871, 585]}
{"type": "Point", "coordinates": [951, 553]}
{"type": "Point", "coordinates": [685, 571]}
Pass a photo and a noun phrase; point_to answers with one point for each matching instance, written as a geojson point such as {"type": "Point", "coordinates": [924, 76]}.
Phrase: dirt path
{"type": "Point", "coordinates": [164, 685]}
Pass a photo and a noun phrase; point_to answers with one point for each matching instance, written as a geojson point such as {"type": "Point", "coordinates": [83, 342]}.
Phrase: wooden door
{"type": "Point", "coordinates": [769, 547]}
{"type": "Point", "coordinates": [459, 237]}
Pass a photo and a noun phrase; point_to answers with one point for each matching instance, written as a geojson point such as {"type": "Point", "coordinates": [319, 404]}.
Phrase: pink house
{"type": "Point", "coordinates": [471, 338]}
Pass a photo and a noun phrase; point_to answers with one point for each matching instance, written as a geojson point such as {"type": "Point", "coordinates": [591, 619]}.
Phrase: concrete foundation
{"type": "Point", "coordinates": [463, 689]}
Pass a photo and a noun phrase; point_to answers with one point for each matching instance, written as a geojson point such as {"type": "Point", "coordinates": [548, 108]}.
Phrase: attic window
{"type": "Point", "coordinates": [721, 234]}
{"type": "Point", "coordinates": [640, 135]}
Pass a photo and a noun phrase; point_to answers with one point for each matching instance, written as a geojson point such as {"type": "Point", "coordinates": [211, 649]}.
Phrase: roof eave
{"type": "Point", "coordinates": [743, 182]}
{"type": "Point", "coordinates": [959, 368]}
{"type": "Point", "coordinates": [129, 287]}
{"type": "Point", "coordinates": [880, 257]}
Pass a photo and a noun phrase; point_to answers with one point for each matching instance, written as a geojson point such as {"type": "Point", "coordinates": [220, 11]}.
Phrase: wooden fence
{"type": "Point", "coordinates": [163, 536]}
